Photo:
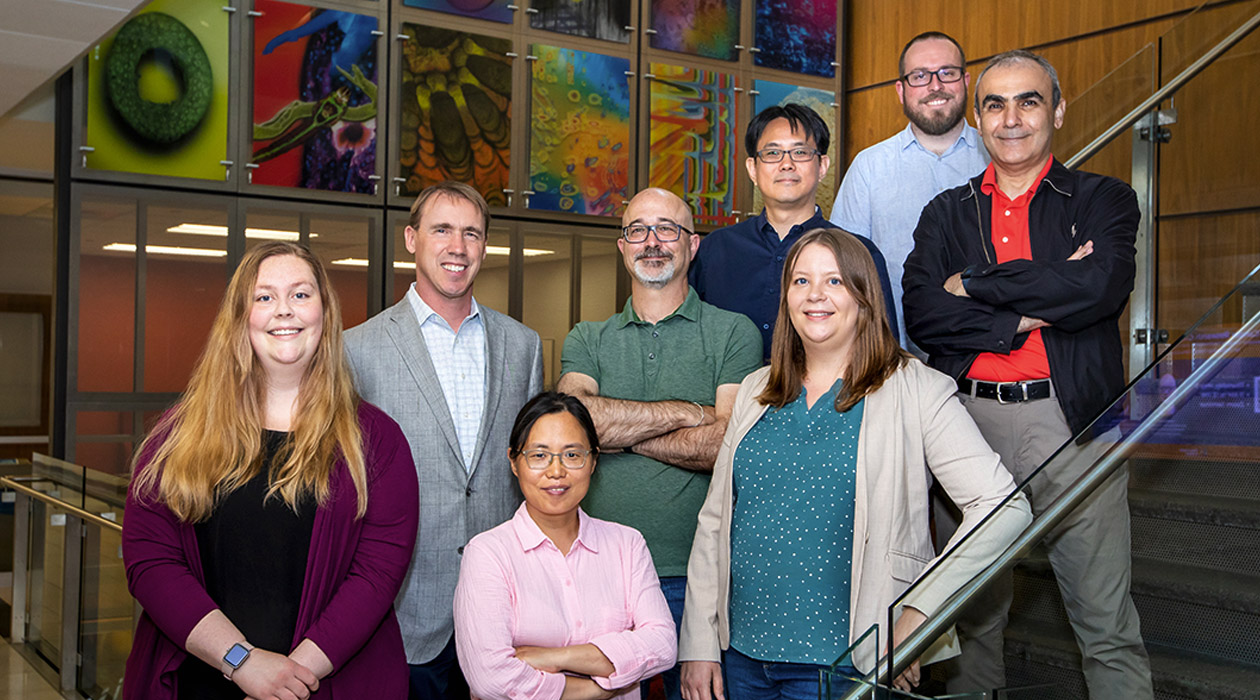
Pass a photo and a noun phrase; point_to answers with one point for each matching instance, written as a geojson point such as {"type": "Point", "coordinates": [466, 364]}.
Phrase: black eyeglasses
{"type": "Point", "coordinates": [923, 78]}
{"type": "Point", "coordinates": [665, 232]}
{"type": "Point", "coordinates": [798, 155]}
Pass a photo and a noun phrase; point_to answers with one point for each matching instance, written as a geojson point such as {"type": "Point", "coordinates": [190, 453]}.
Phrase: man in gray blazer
{"type": "Point", "coordinates": [453, 374]}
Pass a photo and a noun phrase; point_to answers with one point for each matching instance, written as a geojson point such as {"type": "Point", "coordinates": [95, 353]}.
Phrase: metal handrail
{"type": "Point", "coordinates": [87, 516]}
{"type": "Point", "coordinates": [1163, 93]}
{"type": "Point", "coordinates": [936, 625]}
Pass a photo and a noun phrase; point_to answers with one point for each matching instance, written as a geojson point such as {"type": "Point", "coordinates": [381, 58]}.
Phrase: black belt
{"type": "Point", "coordinates": [1007, 392]}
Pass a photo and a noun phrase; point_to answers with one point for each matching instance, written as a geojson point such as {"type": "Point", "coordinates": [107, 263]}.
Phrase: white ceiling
{"type": "Point", "coordinates": [41, 38]}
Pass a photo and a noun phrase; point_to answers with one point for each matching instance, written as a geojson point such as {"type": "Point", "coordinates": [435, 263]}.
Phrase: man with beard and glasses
{"type": "Point", "coordinates": [888, 184]}
{"type": "Point", "coordinates": [738, 267]}
{"type": "Point", "coordinates": [659, 379]}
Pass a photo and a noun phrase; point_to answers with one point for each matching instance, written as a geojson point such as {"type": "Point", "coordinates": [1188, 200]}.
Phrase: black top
{"type": "Point", "coordinates": [253, 553]}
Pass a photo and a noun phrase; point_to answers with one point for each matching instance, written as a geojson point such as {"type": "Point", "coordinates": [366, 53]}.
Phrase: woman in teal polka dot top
{"type": "Point", "coordinates": [816, 518]}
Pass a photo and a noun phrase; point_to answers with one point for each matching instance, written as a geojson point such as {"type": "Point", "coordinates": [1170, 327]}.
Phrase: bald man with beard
{"type": "Point", "coordinates": [659, 379]}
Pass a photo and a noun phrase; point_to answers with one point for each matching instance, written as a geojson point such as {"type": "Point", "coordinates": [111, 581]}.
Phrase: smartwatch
{"type": "Point", "coordinates": [233, 659]}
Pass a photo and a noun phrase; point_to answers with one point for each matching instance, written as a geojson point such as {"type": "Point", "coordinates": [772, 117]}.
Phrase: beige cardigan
{"type": "Point", "coordinates": [911, 424]}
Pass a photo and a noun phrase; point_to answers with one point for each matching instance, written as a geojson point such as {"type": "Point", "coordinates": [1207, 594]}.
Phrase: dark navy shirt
{"type": "Point", "coordinates": [739, 268]}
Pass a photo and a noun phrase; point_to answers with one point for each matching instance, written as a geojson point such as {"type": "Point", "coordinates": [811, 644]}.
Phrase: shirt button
{"type": "Point", "coordinates": [460, 550]}
{"type": "Point", "coordinates": [1005, 239]}
{"type": "Point", "coordinates": [780, 258]}
{"type": "Point", "coordinates": [568, 583]}
{"type": "Point", "coordinates": [468, 492]}
{"type": "Point", "coordinates": [656, 334]}
{"type": "Point", "coordinates": [651, 356]}
{"type": "Point", "coordinates": [579, 623]}
{"type": "Point", "coordinates": [765, 326]}
{"type": "Point", "coordinates": [1008, 212]}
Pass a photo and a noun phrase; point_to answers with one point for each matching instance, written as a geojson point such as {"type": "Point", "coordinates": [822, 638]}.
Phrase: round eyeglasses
{"type": "Point", "coordinates": [923, 78]}
{"type": "Point", "coordinates": [539, 460]}
{"type": "Point", "coordinates": [665, 232]}
{"type": "Point", "coordinates": [798, 155]}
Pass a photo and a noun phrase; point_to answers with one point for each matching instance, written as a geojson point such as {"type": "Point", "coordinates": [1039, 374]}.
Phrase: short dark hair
{"type": "Point", "coordinates": [546, 403]}
{"type": "Point", "coordinates": [1023, 56]}
{"type": "Point", "coordinates": [901, 60]}
{"type": "Point", "coordinates": [456, 190]}
{"type": "Point", "coordinates": [798, 115]}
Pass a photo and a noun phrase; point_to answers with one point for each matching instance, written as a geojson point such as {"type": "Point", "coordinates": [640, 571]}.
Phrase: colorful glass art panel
{"type": "Point", "coordinates": [702, 27]}
{"type": "Point", "coordinates": [597, 19]}
{"type": "Point", "coordinates": [579, 155]}
{"type": "Point", "coordinates": [692, 153]}
{"type": "Point", "coordinates": [797, 36]}
{"type": "Point", "coordinates": [158, 93]}
{"type": "Point", "coordinates": [769, 94]}
{"type": "Point", "coordinates": [493, 10]}
{"type": "Point", "coordinates": [315, 92]}
{"type": "Point", "coordinates": [456, 104]}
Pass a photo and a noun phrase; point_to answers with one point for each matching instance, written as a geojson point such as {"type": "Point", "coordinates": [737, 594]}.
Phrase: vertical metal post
{"type": "Point", "coordinates": [21, 543]}
{"type": "Point", "coordinates": [71, 578]}
{"type": "Point", "coordinates": [1142, 334]}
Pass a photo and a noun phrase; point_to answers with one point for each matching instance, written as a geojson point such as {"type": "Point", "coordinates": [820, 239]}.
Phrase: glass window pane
{"type": "Point", "coordinates": [344, 245]}
{"type": "Point", "coordinates": [185, 276]}
{"type": "Point", "coordinates": [263, 226]}
{"type": "Point", "coordinates": [548, 286]}
{"type": "Point", "coordinates": [107, 294]}
{"type": "Point", "coordinates": [601, 262]}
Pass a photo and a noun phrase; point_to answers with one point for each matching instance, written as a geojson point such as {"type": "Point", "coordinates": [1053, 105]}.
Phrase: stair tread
{"type": "Point", "coordinates": [1213, 509]}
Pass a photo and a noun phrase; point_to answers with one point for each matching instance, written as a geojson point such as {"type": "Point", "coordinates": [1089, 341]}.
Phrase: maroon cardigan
{"type": "Point", "coordinates": [353, 572]}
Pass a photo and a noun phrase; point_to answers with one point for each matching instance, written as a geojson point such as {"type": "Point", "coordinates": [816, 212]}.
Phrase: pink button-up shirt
{"type": "Point", "coordinates": [516, 588]}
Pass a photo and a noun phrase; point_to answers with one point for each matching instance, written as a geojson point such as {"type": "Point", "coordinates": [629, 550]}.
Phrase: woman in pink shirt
{"type": "Point", "coordinates": [553, 603]}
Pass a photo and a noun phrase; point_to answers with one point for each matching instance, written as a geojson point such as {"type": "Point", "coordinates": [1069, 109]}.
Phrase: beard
{"type": "Point", "coordinates": [656, 274]}
{"type": "Point", "coordinates": [935, 122]}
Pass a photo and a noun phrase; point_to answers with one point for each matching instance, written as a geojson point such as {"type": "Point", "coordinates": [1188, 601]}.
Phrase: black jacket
{"type": "Point", "coordinates": [1082, 300]}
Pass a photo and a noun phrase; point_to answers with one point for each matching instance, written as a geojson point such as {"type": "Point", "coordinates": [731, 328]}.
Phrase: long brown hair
{"type": "Point", "coordinates": [875, 355]}
{"type": "Point", "coordinates": [211, 442]}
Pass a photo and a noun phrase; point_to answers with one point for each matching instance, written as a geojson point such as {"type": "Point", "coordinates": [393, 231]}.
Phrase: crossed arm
{"type": "Point", "coordinates": [680, 433]}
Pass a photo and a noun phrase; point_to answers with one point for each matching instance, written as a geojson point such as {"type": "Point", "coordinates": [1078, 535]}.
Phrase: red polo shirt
{"type": "Point", "coordinates": [1010, 242]}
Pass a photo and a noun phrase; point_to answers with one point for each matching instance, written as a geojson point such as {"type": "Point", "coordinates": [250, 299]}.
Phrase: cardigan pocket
{"type": "Point", "coordinates": [906, 567]}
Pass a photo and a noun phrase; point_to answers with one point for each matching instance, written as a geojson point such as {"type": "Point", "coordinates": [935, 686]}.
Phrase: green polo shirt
{"type": "Point", "coordinates": [685, 356]}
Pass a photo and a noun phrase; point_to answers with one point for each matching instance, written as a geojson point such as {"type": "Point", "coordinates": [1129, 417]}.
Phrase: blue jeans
{"type": "Point", "coordinates": [750, 679]}
{"type": "Point", "coordinates": [438, 678]}
{"type": "Point", "coordinates": [674, 588]}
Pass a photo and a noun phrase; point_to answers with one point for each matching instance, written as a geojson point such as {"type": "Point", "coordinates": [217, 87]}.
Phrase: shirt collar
{"type": "Point", "coordinates": [531, 536]}
{"type": "Point", "coordinates": [816, 221]}
{"type": "Point", "coordinates": [689, 309]}
{"type": "Point", "coordinates": [988, 185]}
{"type": "Point", "coordinates": [424, 312]}
{"type": "Point", "coordinates": [968, 135]}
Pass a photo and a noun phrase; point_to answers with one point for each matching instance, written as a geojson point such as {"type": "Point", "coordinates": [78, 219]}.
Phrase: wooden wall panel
{"type": "Point", "coordinates": [1213, 160]}
{"type": "Point", "coordinates": [1201, 258]}
{"type": "Point", "coordinates": [879, 28]}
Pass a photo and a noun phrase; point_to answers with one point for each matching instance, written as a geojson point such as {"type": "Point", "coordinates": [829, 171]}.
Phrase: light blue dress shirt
{"type": "Point", "coordinates": [460, 362]}
{"type": "Point", "coordinates": [886, 188]}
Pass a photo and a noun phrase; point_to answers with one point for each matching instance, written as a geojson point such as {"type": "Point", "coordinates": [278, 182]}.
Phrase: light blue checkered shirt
{"type": "Point", "coordinates": [460, 362]}
{"type": "Point", "coordinates": [887, 186]}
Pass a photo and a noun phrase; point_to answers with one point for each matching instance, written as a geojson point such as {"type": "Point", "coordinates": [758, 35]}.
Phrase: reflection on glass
{"type": "Point", "coordinates": [106, 620]}
{"type": "Point", "coordinates": [548, 286]}
{"type": "Point", "coordinates": [107, 294]}
{"type": "Point", "coordinates": [43, 593]}
{"type": "Point", "coordinates": [185, 275]}
{"type": "Point", "coordinates": [342, 244]}
{"type": "Point", "coordinates": [600, 263]}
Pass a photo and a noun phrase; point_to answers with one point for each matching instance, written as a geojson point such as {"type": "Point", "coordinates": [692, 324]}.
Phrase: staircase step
{"type": "Point", "coordinates": [1215, 533]}
{"type": "Point", "coordinates": [1211, 613]}
{"type": "Point", "coordinates": [1034, 656]}
{"type": "Point", "coordinates": [1204, 477]}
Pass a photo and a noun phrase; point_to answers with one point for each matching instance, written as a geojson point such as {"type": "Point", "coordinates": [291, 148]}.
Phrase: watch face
{"type": "Point", "coordinates": [236, 655]}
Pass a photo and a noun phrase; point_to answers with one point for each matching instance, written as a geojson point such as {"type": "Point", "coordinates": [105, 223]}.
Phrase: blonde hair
{"type": "Point", "coordinates": [210, 444]}
{"type": "Point", "coordinates": [876, 354]}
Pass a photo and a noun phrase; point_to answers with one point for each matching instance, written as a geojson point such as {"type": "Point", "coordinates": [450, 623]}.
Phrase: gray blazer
{"type": "Point", "coordinates": [392, 369]}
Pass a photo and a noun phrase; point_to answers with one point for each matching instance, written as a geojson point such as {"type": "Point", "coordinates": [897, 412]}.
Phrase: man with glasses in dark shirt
{"type": "Point", "coordinates": [738, 267]}
{"type": "Point", "coordinates": [659, 379]}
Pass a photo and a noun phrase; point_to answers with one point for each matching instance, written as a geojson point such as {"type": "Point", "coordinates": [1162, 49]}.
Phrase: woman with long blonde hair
{"type": "Point", "coordinates": [272, 513]}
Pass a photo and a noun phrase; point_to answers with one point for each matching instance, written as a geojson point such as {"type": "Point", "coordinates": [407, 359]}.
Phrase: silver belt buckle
{"type": "Point", "coordinates": [1002, 384]}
